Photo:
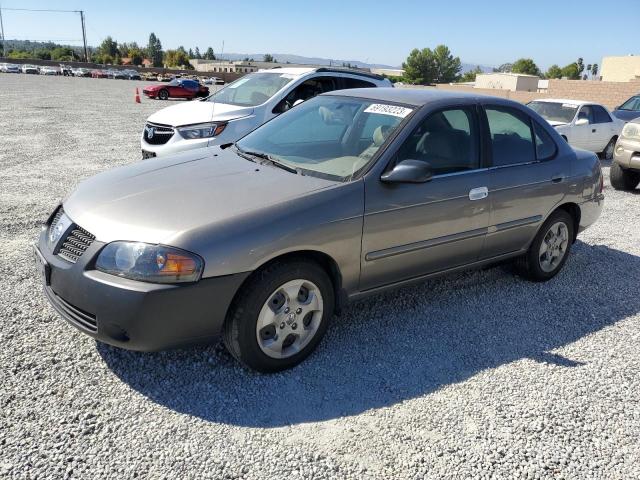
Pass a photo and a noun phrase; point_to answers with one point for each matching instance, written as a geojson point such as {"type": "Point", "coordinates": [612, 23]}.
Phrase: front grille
{"type": "Point", "coordinates": [72, 313]}
{"type": "Point", "coordinates": [156, 134]}
{"type": "Point", "coordinates": [75, 244]}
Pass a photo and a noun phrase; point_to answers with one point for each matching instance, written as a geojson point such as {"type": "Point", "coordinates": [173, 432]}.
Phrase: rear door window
{"type": "Point", "coordinates": [511, 136]}
{"type": "Point", "coordinates": [545, 146]}
{"type": "Point", "coordinates": [348, 83]}
{"type": "Point", "coordinates": [600, 114]}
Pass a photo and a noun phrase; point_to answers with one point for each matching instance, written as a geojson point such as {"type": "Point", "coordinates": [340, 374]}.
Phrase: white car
{"type": "Point", "coordinates": [9, 68]}
{"type": "Point", "coordinates": [585, 125]}
{"type": "Point", "coordinates": [49, 71]}
{"type": "Point", "coordinates": [213, 81]}
{"type": "Point", "coordinates": [243, 105]}
{"type": "Point", "coordinates": [29, 69]}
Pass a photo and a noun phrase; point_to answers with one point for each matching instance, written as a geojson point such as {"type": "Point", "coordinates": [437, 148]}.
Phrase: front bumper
{"type": "Point", "coordinates": [627, 153]}
{"type": "Point", "coordinates": [131, 314]}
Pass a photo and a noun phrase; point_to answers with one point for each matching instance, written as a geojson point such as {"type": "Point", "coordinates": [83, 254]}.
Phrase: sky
{"type": "Point", "coordinates": [487, 33]}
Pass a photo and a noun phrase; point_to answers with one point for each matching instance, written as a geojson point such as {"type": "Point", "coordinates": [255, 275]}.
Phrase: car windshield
{"type": "Point", "coordinates": [331, 137]}
{"type": "Point", "coordinates": [174, 83]}
{"type": "Point", "coordinates": [632, 104]}
{"type": "Point", "coordinates": [554, 111]}
{"type": "Point", "coordinates": [252, 89]}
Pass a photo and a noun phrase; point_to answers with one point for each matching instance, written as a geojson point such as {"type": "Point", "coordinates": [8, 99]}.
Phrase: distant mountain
{"type": "Point", "coordinates": [287, 57]}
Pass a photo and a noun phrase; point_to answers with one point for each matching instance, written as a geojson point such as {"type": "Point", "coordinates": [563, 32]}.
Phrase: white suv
{"type": "Point", "coordinates": [243, 105]}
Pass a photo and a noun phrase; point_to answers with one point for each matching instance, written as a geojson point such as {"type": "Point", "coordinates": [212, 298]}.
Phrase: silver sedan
{"type": "Point", "coordinates": [353, 192]}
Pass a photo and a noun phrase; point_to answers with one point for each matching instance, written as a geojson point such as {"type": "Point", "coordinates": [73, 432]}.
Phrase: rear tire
{"type": "Point", "coordinates": [542, 263]}
{"type": "Point", "coordinates": [163, 94]}
{"type": "Point", "coordinates": [269, 330]}
{"type": "Point", "coordinates": [622, 179]}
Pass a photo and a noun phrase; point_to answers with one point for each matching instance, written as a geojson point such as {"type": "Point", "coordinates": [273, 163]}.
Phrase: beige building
{"type": "Point", "coordinates": [620, 69]}
{"type": "Point", "coordinates": [224, 66]}
{"type": "Point", "coordinates": [389, 72]}
{"type": "Point", "coordinates": [514, 82]}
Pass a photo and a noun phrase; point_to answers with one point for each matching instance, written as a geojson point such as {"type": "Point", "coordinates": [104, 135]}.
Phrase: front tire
{"type": "Point", "coordinates": [607, 153]}
{"type": "Point", "coordinates": [549, 250]}
{"type": "Point", "coordinates": [279, 316]}
{"type": "Point", "coordinates": [163, 94]}
{"type": "Point", "coordinates": [622, 179]}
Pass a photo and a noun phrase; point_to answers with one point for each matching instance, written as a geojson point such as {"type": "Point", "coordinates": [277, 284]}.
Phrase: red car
{"type": "Point", "coordinates": [99, 74]}
{"type": "Point", "coordinates": [176, 88]}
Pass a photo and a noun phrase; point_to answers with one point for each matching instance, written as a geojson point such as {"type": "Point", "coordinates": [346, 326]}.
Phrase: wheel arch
{"type": "Point", "coordinates": [573, 209]}
{"type": "Point", "coordinates": [325, 261]}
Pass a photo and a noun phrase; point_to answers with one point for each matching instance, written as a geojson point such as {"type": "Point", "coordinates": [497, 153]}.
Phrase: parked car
{"type": "Point", "coordinates": [243, 105]}
{"type": "Point", "coordinates": [99, 74]}
{"type": "Point", "coordinates": [625, 168]}
{"type": "Point", "coordinates": [66, 70]}
{"type": "Point", "coordinates": [116, 74]}
{"type": "Point", "coordinates": [213, 81]}
{"type": "Point", "coordinates": [188, 89]}
{"type": "Point", "coordinates": [46, 70]}
{"type": "Point", "coordinates": [9, 68]}
{"type": "Point", "coordinates": [585, 125]}
{"type": "Point", "coordinates": [81, 72]}
{"type": "Point", "coordinates": [629, 110]}
{"type": "Point", "coordinates": [131, 74]}
{"type": "Point", "coordinates": [32, 69]}
{"type": "Point", "coordinates": [261, 241]}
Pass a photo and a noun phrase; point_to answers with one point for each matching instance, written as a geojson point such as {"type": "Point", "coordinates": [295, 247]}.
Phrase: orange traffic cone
{"type": "Point", "coordinates": [137, 96]}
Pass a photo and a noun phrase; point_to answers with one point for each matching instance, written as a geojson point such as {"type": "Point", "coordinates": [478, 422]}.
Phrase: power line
{"type": "Point", "coordinates": [39, 10]}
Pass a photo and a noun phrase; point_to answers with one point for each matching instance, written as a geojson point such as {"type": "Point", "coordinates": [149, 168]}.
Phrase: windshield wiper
{"type": "Point", "coordinates": [268, 158]}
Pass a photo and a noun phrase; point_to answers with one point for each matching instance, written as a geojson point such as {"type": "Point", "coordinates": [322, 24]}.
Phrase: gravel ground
{"type": "Point", "coordinates": [476, 375]}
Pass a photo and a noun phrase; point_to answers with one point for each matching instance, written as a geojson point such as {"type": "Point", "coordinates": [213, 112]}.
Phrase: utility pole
{"type": "Point", "coordinates": [84, 37]}
{"type": "Point", "coordinates": [4, 44]}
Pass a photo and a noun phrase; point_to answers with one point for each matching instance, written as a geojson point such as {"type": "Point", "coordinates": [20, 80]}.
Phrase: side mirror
{"type": "Point", "coordinates": [582, 121]}
{"type": "Point", "coordinates": [408, 171]}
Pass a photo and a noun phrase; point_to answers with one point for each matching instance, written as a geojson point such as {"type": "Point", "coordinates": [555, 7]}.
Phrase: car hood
{"type": "Point", "coordinates": [626, 115]}
{"type": "Point", "coordinates": [198, 112]}
{"type": "Point", "coordinates": [555, 123]}
{"type": "Point", "coordinates": [156, 201]}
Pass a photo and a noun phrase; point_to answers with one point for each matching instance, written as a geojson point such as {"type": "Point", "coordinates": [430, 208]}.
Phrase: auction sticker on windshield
{"type": "Point", "coordinates": [383, 109]}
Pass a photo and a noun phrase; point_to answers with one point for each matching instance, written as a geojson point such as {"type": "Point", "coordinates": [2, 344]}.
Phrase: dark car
{"type": "Point", "coordinates": [347, 194]}
{"type": "Point", "coordinates": [131, 75]}
{"type": "Point", "coordinates": [176, 88]}
{"type": "Point", "coordinates": [629, 109]}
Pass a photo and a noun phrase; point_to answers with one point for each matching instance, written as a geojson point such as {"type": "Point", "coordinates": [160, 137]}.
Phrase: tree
{"type": "Point", "coordinates": [431, 66]}
{"type": "Point", "coordinates": [208, 55]}
{"type": "Point", "coordinates": [571, 71]}
{"type": "Point", "coordinates": [504, 68]}
{"type": "Point", "coordinates": [420, 67]}
{"type": "Point", "coordinates": [190, 53]}
{"type": "Point", "coordinates": [470, 76]}
{"type": "Point", "coordinates": [594, 70]}
{"type": "Point", "coordinates": [554, 72]}
{"type": "Point", "coordinates": [447, 66]}
{"type": "Point", "coordinates": [62, 54]}
{"type": "Point", "coordinates": [269, 58]}
{"type": "Point", "coordinates": [197, 53]}
{"type": "Point", "coordinates": [526, 66]}
{"type": "Point", "coordinates": [154, 50]}
{"type": "Point", "coordinates": [107, 50]}
{"type": "Point", "coordinates": [580, 65]}
{"type": "Point", "coordinates": [177, 58]}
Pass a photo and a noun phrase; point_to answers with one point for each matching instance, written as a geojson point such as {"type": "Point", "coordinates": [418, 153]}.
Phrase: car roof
{"type": "Point", "coordinates": [299, 71]}
{"type": "Point", "coordinates": [288, 70]}
{"type": "Point", "coordinates": [409, 96]}
{"type": "Point", "coordinates": [566, 100]}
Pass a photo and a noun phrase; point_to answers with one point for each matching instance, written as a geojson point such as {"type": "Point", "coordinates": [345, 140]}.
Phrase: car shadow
{"type": "Point", "coordinates": [399, 345]}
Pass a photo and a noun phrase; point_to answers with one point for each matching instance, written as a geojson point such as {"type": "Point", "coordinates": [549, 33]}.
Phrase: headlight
{"type": "Point", "coordinates": [150, 263]}
{"type": "Point", "coordinates": [201, 130]}
{"type": "Point", "coordinates": [631, 130]}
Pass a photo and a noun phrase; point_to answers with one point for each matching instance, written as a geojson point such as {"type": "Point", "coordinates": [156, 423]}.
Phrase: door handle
{"type": "Point", "coordinates": [557, 179]}
{"type": "Point", "coordinates": [478, 193]}
{"type": "Point", "coordinates": [593, 130]}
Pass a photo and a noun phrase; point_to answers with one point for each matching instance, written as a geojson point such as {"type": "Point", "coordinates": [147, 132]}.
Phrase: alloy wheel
{"type": "Point", "coordinates": [289, 319]}
{"type": "Point", "coordinates": [553, 247]}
